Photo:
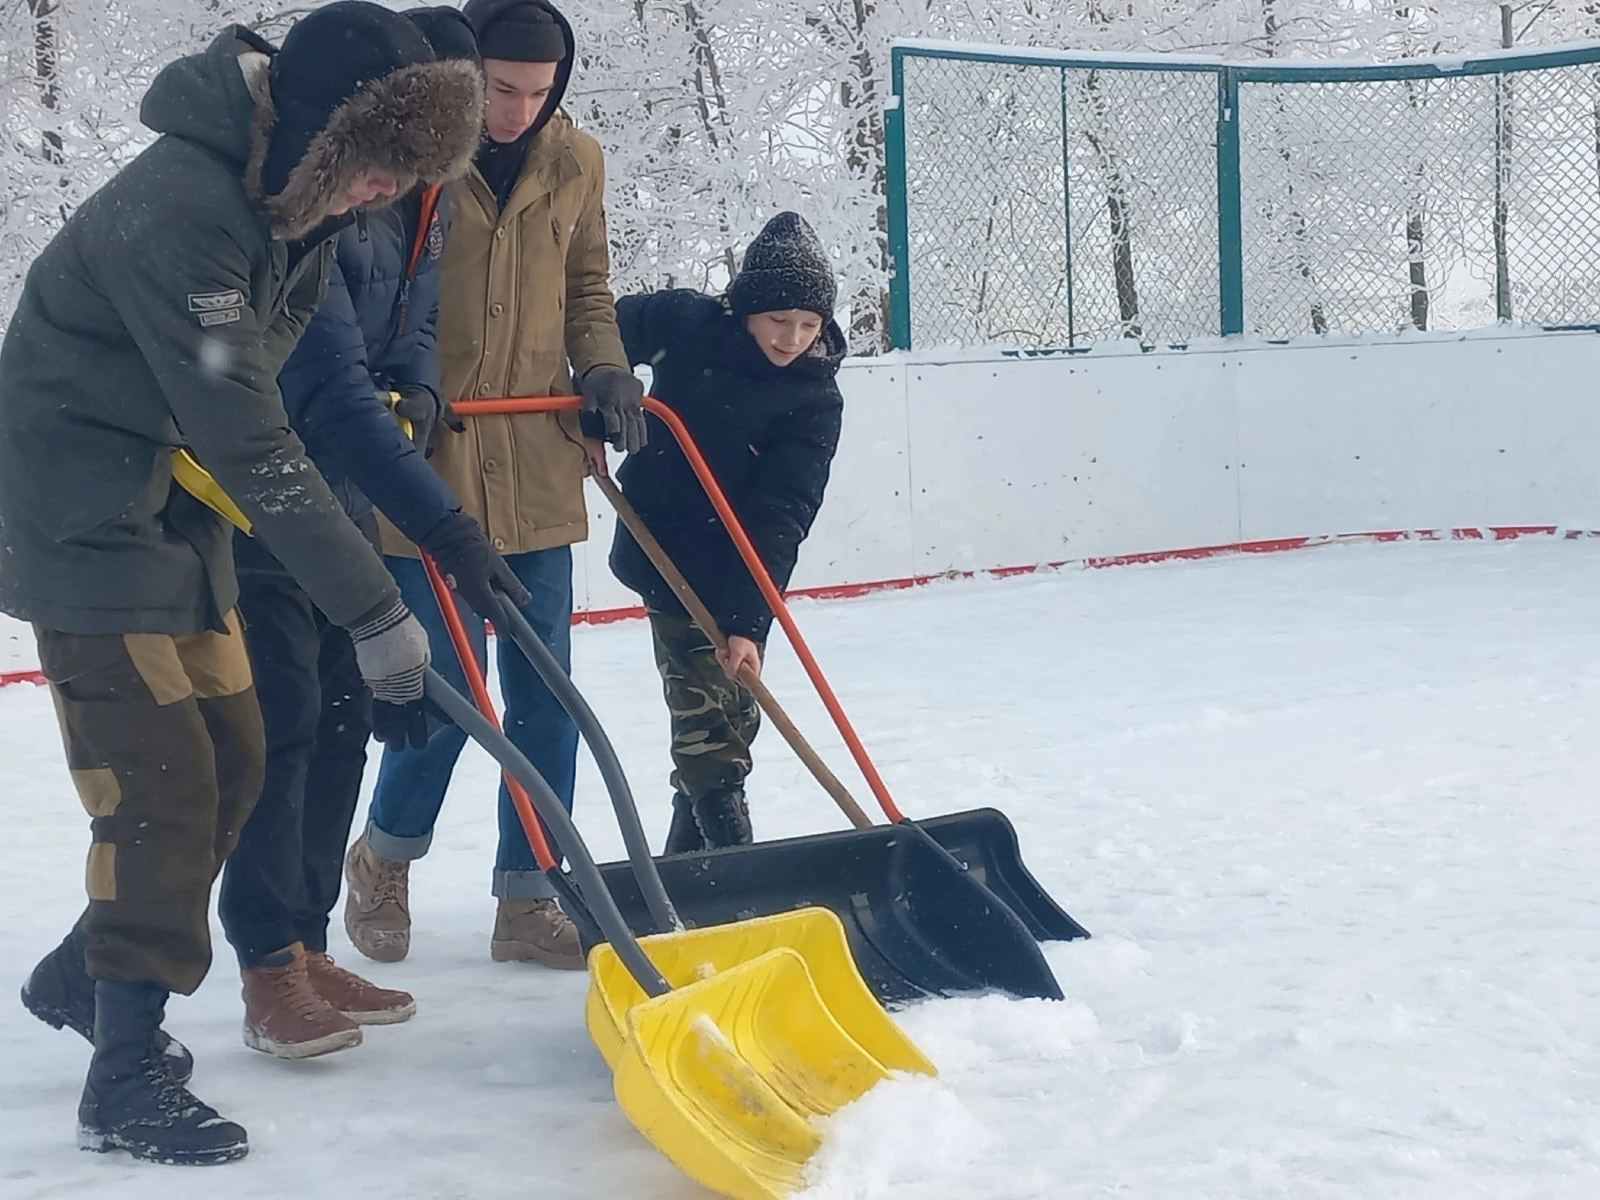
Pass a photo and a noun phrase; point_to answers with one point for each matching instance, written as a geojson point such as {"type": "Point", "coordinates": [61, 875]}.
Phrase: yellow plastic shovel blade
{"type": "Point", "coordinates": [723, 1076]}
{"type": "Point", "coordinates": [815, 934]}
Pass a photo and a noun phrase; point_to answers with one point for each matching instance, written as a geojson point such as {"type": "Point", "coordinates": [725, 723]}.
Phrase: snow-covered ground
{"type": "Point", "coordinates": [1332, 817]}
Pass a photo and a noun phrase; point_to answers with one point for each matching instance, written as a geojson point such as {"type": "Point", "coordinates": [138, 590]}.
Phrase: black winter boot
{"type": "Point", "coordinates": [131, 1102]}
{"type": "Point", "coordinates": [683, 835]}
{"type": "Point", "coordinates": [61, 994]}
{"type": "Point", "coordinates": [724, 819]}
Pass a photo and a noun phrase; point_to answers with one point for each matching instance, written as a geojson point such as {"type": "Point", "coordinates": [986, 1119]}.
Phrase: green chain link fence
{"type": "Point", "coordinates": [1045, 200]}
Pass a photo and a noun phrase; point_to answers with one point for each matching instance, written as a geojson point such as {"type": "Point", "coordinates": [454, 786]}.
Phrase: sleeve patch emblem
{"type": "Point", "coordinates": [210, 302]}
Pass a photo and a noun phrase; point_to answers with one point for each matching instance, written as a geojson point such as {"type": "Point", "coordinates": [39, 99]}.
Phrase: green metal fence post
{"type": "Point", "coordinates": [1066, 212]}
{"type": "Point", "coordinates": [899, 236]}
{"type": "Point", "coordinates": [1230, 204]}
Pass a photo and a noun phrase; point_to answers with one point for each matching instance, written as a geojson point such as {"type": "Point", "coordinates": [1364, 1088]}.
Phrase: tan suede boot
{"type": "Point", "coordinates": [362, 1001]}
{"type": "Point", "coordinates": [284, 1017]}
{"type": "Point", "coordinates": [536, 931]}
{"type": "Point", "coordinates": [377, 903]}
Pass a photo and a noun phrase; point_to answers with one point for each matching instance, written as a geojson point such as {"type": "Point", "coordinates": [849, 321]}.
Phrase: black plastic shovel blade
{"type": "Point", "coordinates": [985, 843]}
{"type": "Point", "coordinates": [917, 923]}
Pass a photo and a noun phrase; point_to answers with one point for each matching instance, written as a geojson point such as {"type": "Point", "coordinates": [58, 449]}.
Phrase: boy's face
{"type": "Point", "coordinates": [517, 93]}
{"type": "Point", "coordinates": [784, 334]}
{"type": "Point", "coordinates": [363, 190]}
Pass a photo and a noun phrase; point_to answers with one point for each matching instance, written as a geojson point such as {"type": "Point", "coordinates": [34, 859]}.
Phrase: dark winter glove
{"type": "Point", "coordinates": [449, 419]}
{"type": "Point", "coordinates": [618, 398]}
{"type": "Point", "coordinates": [419, 406]}
{"type": "Point", "coordinates": [471, 567]}
{"type": "Point", "coordinates": [398, 726]}
{"type": "Point", "coordinates": [392, 654]}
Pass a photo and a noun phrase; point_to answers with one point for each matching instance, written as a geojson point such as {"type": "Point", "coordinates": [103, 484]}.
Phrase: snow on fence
{"type": "Point", "coordinates": [1040, 199]}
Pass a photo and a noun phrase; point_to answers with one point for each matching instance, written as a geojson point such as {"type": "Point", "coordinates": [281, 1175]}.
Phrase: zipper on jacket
{"type": "Point", "coordinates": [427, 215]}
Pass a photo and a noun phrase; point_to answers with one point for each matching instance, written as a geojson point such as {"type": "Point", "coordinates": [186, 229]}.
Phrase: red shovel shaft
{"type": "Point", "coordinates": [480, 696]}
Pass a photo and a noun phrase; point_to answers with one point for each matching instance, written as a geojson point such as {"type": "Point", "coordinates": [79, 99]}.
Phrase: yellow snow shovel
{"type": "Point", "coordinates": [686, 956]}
{"type": "Point", "coordinates": [723, 1074]}
{"type": "Point", "coordinates": [815, 934]}
{"type": "Point", "coordinates": [680, 956]}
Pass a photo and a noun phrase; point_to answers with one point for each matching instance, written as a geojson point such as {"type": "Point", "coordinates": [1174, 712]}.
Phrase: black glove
{"type": "Point", "coordinates": [398, 726]}
{"type": "Point", "coordinates": [417, 405]}
{"type": "Point", "coordinates": [619, 399]}
{"type": "Point", "coordinates": [471, 567]}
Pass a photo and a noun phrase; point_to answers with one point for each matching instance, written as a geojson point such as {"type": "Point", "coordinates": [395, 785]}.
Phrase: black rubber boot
{"type": "Point", "coordinates": [724, 819]}
{"type": "Point", "coordinates": [131, 1102]}
{"type": "Point", "coordinates": [61, 994]}
{"type": "Point", "coordinates": [683, 835]}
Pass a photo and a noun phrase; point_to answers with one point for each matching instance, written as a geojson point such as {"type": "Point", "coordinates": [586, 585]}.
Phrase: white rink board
{"type": "Point", "coordinates": [992, 462]}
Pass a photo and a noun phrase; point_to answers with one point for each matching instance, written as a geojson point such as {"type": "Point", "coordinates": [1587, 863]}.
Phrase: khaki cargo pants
{"type": "Point", "coordinates": [164, 742]}
{"type": "Point", "coordinates": [714, 720]}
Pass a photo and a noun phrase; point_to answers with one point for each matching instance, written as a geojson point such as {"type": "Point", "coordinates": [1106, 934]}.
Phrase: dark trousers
{"type": "Point", "coordinates": [283, 880]}
{"type": "Point", "coordinates": [164, 742]}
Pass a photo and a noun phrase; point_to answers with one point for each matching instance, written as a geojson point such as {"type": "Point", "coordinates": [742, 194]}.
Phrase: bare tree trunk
{"type": "Point", "coordinates": [1416, 247]}
{"type": "Point", "coordinates": [865, 158]}
{"type": "Point", "coordinates": [1416, 229]}
{"type": "Point", "coordinates": [1301, 229]}
{"type": "Point", "coordinates": [46, 67]}
{"type": "Point", "coordinates": [1503, 99]}
{"type": "Point", "coordinates": [1118, 210]}
{"type": "Point", "coordinates": [1592, 11]}
{"type": "Point", "coordinates": [706, 68]}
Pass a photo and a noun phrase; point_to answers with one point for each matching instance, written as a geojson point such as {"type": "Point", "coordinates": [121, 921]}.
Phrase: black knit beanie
{"type": "Point", "coordinates": [326, 59]}
{"type": "Point", "coordinates": [785, 267]}
{"type": "Point", "coordinates": [517, 30]}
{"type": "Point", "coordinates": [448, 31]}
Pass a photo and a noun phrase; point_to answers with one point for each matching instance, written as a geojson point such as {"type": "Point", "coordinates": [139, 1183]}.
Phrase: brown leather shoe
{"type": "Point", "coordinates": [284, 1017]}
{"type": "Point", "coordinates": [362, 1001]}
{"type": "Point", "coordinates": [536, 931]}
{"type": "Point", "coordinates": [377, 903]}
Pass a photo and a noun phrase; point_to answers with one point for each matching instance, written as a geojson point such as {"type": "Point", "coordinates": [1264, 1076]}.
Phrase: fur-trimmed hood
{"type": "Point", "coordinates": [420, 123]}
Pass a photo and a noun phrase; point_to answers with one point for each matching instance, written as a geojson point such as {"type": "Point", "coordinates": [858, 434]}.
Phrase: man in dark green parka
{"type": "Point", "coordinates": [155, 323]}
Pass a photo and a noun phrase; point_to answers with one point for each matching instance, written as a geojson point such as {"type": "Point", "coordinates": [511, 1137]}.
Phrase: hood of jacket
{"type": "Point", "coordinates": [419, 123]}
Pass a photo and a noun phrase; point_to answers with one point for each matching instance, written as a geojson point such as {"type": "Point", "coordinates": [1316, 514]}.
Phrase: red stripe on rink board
{"type": "Point", "coordinates": [850, 591]}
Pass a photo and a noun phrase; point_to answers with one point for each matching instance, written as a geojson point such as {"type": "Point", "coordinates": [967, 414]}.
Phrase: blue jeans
{"type": "Point", "coordinates": [412, 783]}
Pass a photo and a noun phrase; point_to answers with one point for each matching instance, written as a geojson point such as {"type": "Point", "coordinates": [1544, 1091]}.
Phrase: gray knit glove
{"type": "Point", "coordinates": [392, 654]}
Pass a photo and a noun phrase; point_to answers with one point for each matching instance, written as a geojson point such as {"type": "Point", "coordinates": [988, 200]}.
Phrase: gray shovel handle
{"type": "Point", "coordinates": [585, 875]}
{"type": "Point", "coordinates": [513, 624]}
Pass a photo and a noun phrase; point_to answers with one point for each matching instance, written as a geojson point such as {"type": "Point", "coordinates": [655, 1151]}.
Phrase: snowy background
{"type": "Point", "coordinates": [716, 113]}
{"type": "Point", "coordinates": [1330, 816]}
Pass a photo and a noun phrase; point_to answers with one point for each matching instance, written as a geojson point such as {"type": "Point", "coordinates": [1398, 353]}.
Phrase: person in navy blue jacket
{"type": "Point", "coordinates": [366, 357]}
{"type": "Point", "coordinates": [752, 374]}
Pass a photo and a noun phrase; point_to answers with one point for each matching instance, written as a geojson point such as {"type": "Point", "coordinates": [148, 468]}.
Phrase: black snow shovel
{"type": "Point", "coordinates": [921, 920]}
{"type": "Point", "coordinates": [917, 925]}
{"type": "Point", "coordinates": [982, 841]}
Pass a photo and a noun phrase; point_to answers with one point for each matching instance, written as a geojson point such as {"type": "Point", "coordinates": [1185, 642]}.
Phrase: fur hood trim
{"type": "Point", "coordinates": [420, 123]}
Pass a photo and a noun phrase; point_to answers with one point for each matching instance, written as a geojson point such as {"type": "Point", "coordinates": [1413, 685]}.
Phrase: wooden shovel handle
{"type": "Point", "coordinates": [702, 617]}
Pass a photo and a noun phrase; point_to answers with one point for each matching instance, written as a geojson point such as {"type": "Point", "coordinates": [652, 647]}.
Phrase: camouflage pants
{"type": "Point", "coordinates": [164, 742]}
{"type": "Point", "coordinates": [714, 720]}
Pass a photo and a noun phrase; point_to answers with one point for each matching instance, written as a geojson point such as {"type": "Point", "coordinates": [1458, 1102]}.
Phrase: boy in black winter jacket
{"type": "Point", "coordinates": [752, 374]}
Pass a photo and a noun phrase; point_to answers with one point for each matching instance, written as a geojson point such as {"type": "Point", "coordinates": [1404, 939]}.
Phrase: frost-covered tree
{"type": "Point", "coordinates": [717, 113]}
